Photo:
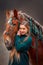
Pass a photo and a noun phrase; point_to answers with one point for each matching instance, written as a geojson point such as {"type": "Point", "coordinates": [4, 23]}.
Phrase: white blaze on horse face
{"type": "Point", "coordinates": [10, 21]}
{"type": "Point", "coordinates": [11, 15]}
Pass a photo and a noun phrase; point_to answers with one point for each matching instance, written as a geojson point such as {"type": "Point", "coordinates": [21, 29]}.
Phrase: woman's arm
{"type": "Point", "coordinates": [24, 45]}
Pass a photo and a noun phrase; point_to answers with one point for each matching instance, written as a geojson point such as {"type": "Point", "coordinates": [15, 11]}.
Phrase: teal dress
{"type": "Point", "coordinates": [22, 48]}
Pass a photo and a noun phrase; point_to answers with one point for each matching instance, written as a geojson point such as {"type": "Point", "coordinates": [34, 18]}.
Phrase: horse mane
{"type": "Point", "coordinates": [36, 27]}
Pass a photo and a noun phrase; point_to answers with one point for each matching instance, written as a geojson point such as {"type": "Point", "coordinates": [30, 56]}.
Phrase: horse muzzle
{"type": "Point", "coordinates": [8, 43]}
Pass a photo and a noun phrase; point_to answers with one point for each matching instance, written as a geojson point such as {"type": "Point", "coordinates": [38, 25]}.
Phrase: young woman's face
{"type": "Point", "coordinates": [23, 29]}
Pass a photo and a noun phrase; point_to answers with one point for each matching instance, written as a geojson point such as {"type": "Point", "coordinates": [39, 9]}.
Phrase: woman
{"type": "Point", "coordinates": [22, 44]}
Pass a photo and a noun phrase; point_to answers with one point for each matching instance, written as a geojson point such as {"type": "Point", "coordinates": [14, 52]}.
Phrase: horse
{"type": "Point", "coordinates": [11, 29]}
{"type": "Point", "coordinates": [13, 19]}
{"type": "Point", "coordinates": [36, 50]}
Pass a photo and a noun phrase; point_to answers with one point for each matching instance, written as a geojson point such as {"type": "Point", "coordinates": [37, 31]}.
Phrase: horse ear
{"type": "Point", "coordinates": [15, 13]}
{"type": "Point", "coordinates": [7, 14]}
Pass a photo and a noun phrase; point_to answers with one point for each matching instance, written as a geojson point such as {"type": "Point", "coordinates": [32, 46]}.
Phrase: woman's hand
{"type": "Point", "coordinates": [19, 33]}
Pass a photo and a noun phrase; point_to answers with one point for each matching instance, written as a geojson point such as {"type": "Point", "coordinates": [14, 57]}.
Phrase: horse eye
{"type": "Point", "coordinates": [14, 24]}
{"type": "Point", "coordinates": [7, 33]}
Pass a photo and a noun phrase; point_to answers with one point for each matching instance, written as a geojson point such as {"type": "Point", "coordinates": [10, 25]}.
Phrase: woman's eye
{"type": "Point", "coordinates": [23, 28]}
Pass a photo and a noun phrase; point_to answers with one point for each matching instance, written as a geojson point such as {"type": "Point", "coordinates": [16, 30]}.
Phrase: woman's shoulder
{"type": "Point", "coordinates": [28, 38]}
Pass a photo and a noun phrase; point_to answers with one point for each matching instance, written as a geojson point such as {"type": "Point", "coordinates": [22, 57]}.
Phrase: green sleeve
{"type": "Point", "coordinates": [24, 45]}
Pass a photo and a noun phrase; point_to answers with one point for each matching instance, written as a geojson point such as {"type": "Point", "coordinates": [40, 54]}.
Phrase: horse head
{"type": "Point", "coordinates": [13, 18]}
{"type": "Point", "coordinates": [11, 30]}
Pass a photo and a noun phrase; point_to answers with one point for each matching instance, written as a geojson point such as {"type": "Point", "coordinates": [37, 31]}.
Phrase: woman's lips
{"type": "Point", "coordinates": [22, 32]}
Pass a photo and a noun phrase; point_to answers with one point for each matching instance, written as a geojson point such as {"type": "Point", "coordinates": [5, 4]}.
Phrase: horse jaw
{"type": "Point", "coordinates": [8, 42]}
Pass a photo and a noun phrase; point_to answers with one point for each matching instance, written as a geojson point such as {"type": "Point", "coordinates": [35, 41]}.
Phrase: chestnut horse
{"type": "Point", "coordinates": [10, 31]}
{"type": "Point", "coordinates": [35, 52]}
